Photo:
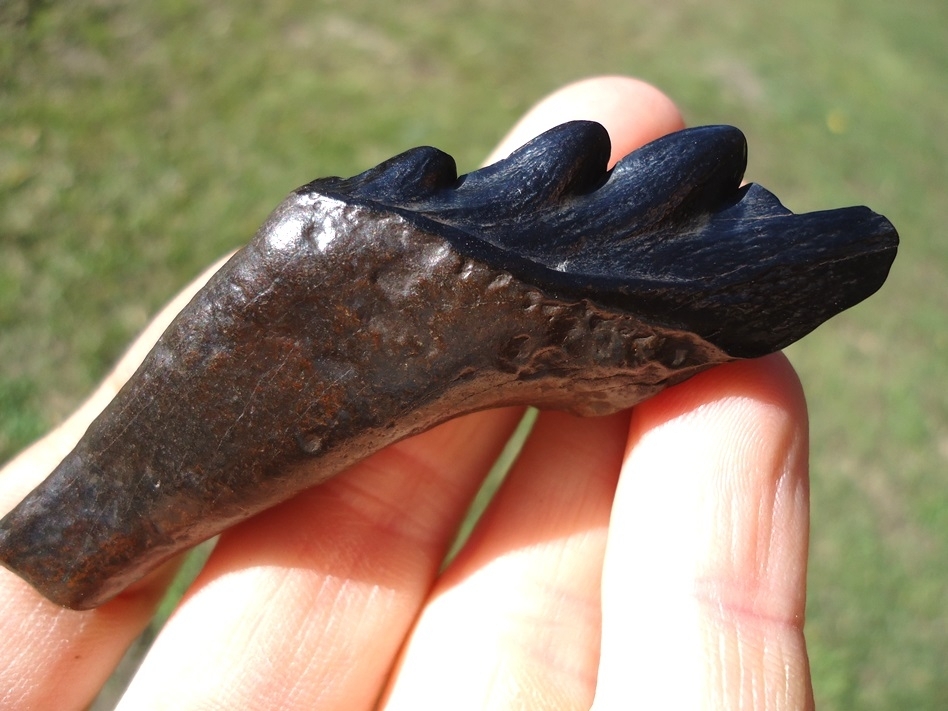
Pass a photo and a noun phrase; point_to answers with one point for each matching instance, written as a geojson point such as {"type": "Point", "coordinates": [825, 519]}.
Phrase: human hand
{"type": "Point", "coordinates": [652, 559]}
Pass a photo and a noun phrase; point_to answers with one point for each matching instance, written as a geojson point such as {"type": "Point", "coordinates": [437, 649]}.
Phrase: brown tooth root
{"type": "Point", "coordinates": [369, 309]}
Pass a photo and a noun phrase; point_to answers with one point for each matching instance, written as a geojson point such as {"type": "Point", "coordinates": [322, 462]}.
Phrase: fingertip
{"type": "Point", "coordinates": [633, 111]}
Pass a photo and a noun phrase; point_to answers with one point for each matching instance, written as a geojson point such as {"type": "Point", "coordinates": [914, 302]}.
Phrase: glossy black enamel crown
{"type": "Point", "coordinates": [669, 233]}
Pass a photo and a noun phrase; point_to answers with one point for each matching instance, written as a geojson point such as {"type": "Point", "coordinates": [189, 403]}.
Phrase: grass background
{"type": "Point", "coordinates": [139, 141]}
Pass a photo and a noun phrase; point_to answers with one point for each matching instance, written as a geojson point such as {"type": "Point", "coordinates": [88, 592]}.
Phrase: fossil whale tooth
{"type": "Point", "coordinates": [370, 308]}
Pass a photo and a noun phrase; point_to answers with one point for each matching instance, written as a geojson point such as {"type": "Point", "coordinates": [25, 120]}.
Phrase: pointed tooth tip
{"type": "Point", "coordinates": [720, 138]}
{"type": "Point", "coordinates": [582, 134]}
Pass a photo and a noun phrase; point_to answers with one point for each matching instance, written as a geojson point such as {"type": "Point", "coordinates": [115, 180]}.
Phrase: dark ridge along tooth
{"type": "Point", "coordinates": [371, 308]}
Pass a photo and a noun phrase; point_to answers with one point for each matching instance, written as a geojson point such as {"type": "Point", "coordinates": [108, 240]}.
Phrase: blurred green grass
{"type": "Point", "coordinates": [138, 142]}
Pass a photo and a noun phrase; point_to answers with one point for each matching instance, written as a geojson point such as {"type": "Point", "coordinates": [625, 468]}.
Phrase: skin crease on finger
{"type": "Point", "coordinates": [284, 616]}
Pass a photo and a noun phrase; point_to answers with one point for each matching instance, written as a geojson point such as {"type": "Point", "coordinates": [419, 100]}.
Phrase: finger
{"type": "Point", "coordinates": [705, 571]}
{"type": "Point", "coordinates": [55, 658]}
{"type": "Point", "coordinates": [514, 622]}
